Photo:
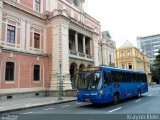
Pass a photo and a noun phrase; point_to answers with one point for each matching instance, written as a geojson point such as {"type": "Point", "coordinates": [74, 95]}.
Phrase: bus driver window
{"type": "Point", "coordinates": [96, 78]}
{"type": "Point", "coordinates": [107, 79]}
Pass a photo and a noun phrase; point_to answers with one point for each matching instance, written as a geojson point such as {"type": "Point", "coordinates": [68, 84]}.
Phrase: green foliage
{"type": "Point", "coordinates": [156, 67]}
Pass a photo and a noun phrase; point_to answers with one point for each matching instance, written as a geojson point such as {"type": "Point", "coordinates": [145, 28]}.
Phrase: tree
{"type": "Point", "coordinates": [156, 68]}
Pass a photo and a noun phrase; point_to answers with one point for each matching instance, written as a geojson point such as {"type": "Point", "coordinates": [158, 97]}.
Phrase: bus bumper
{"type": "Point", "coordinates": [97, 99]}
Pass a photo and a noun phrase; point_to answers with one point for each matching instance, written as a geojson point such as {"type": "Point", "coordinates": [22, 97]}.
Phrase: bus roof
{"type": "Point", "coordinates": [113, 68]}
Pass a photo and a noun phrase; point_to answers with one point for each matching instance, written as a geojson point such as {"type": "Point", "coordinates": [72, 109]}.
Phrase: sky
{"type": "Point", "coordinates": [126, 19]}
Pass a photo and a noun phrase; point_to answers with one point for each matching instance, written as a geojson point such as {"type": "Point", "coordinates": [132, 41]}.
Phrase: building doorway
{"type": "Point", "coordinates": [81, 66]}
{"type": "Point", "coordinates": [73, 76]}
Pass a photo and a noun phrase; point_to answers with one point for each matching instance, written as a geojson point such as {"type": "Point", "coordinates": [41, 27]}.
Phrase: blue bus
{"type": "Point", "coordinates": [106, 84]}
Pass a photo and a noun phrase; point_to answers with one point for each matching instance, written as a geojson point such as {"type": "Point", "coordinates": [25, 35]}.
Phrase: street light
{"type": "Point", "coordinates": [60, 81]}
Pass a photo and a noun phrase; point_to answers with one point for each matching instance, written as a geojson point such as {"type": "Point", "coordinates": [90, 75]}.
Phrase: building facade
{"type": "Point", "coordinates": [131, 58]}
{"type": "Point", "coordinates": [150, 45]}
{"type": "Point", "coordinates": [39, 36]}
{"type": "Point", "coordinates": [107, 50]}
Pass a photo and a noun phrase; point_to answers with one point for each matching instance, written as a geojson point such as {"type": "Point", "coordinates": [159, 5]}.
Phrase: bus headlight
{"type": "Point", "coordinates": [100, 93]}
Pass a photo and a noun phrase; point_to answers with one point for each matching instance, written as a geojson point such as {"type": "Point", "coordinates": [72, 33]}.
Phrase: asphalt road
{"type": "Point", "coordinates": [148, 104]}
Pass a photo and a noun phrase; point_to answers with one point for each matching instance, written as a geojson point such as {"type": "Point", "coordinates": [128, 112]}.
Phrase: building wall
{"type": "Point", "coordinates": [150, 45]}
{"type": "Point", "coordinates": [137, 59]}
{"type": "Point", "coordinates": [52, 22]}
{"type": "Point", "coordinates": [24, 66]}
{"type": "Point", "coordinates": [108, 53]}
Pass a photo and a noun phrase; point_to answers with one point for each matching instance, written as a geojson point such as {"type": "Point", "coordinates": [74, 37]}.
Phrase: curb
{"type": "Point", "coordinates": [36, 105]}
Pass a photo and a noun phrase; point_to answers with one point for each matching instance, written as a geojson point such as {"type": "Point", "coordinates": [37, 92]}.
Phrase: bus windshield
{"type": "Point", "coordinates": [90, 80]}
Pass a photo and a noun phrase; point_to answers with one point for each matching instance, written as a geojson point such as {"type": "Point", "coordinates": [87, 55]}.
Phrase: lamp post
{"type": "Point", "coordinates": [60, 81]}
{"type": "Point", "coordinates": [101, 54]}
{"type": "Point", "coordinates": [110, 60]}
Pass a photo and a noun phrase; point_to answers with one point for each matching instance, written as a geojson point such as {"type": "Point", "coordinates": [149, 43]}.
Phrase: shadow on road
{"type": "Point", "coordinates": [98, 106]}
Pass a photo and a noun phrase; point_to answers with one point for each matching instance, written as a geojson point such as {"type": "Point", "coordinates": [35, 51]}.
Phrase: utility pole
{"type": "Point", "coordinates": [60, 81]}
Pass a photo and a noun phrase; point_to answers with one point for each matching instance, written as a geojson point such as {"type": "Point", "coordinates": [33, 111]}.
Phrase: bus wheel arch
{"type": "Point", "coordinates": [116, 98]}
{"type": "Point", "coordinates": [139, 93]}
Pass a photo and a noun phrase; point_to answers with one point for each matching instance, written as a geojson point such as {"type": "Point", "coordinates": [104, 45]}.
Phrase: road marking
{"type": "Point", "coordinates": [65, 106]}
{"type": "Point", "coordinates": [78, 103]}
{"type": "Point", "coordinates": [49, 109]}
{"type": "Point", "coordinates": [150, 95]}
{"type": "Point", "coordinates": [114, 109]}
{"type": "Point", "coordinates": [28, 113]}
{"type": "Point", "coordinates": [138, 100]}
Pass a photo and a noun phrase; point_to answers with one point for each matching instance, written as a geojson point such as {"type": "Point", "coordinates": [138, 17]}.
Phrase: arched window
{"type": "Point", "coordinates": [75, 2]}
{"type": "Point", "coordinates": [9, 73]}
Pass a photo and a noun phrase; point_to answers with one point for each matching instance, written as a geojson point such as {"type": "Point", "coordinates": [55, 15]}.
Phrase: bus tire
{"type": "Point", "coordinates": [139, 94]}
{"type": "Point", "coordinates": [116, 99]}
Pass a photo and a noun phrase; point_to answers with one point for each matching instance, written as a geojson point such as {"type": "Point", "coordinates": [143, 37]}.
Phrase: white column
{"type": "Point", "coordinates": [60, 52]}
{"type": "Point", "coordinates": [40, 47]}
{"type": "Point", "coordinates": [44, 41]}
{"type": "Point", "coordinates": [16, 32]}
{"type": "Point", "coordinates": [41, 7]}
{"type": "Point", "coordinates": [28, 36]}
{"type": "Point", "coordinates": [90, 47]}
{"type": "Point", "coordinates": [104, 53]}
{"type": "Point", "coordinates": [54, 85]}
{"type": "Point", "coordinates": [76, 41]}
{"type": "Point", "coordinates": [65, 54]}
{"type": "Point", "coordinates": [1, 15]}
{"type": "Point", "coordinates": [22, 38]}
{"type": "Point", "coordinates": [51, 5]}
{"type": "Point", "coordinates": [84, 45]}
{"type": "Point", "coordinates": [95, 47]}
{"type": "Point", "coordinates": [33, 40]}
{"type": "Point", "coordinates": [5, 41]}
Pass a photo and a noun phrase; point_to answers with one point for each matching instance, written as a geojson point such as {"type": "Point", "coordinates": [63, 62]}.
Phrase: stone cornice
{"type": "Point", "coordinates": [92, 19]}
{"type": "Point", "coordinates": [74, 24]}
{"type": "Point", "coordinates": [58, 13]}
{"type": "Point", "coordinates": [40, 16]}
{"type": "Point", "coordinates": [24, 52]}
{"type": "Point", "coordinates": [80, 29]}
{"type": "Point", "coordinates": [80, 11]}
{"type": "Point", "coordinates": [82, 25]}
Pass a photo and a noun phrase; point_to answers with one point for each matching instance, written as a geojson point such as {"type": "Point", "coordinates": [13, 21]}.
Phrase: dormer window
{"type": "Point", "coordinates": [75, 2]}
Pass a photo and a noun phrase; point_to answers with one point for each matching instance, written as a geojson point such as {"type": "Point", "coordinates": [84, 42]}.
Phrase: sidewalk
{"type": "Point", "coordinates": [16, 104]}
{"type": "Point", "coordinates": [154, 85]}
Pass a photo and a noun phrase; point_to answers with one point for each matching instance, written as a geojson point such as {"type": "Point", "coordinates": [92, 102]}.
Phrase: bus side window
{"type": "Point", "coordinates": [144, 78]}
{"type": "Point", "coordinates": [107, 78]}
{"type": "Point", "coordinates": [134, 77]}
{"type": "Point", "coordinates": [123, 77]}
{"type": "Point", "coordinates": [128, 77]}
{"type": "Point", "coordinates": [115, 76]}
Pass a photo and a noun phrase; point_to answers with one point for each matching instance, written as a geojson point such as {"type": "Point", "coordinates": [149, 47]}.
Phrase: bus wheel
{"type": "Point", "coordinates": [116, 98]}
{"type": "Point", "coordinates": [138, 94]}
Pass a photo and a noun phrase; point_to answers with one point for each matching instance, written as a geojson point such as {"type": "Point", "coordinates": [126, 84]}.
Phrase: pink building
{"type": "Point", "coordinates": [35, 36]}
